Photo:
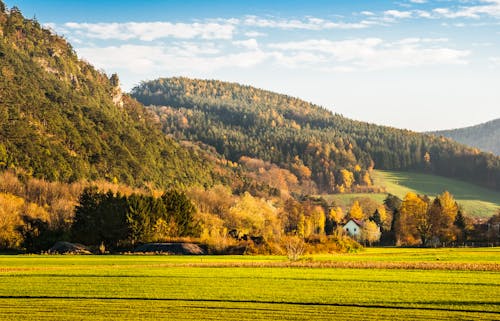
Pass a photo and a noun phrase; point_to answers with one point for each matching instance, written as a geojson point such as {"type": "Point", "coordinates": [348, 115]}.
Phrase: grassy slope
{"type": "Point", "coordinates": [161, 287]}
{"type": "Point", "coordinates": [476, 201]}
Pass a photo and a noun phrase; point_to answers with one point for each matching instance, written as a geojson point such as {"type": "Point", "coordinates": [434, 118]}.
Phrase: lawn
{"type": "Point", "coordinates": [475, 200]}
{"type": "Point", "coordinates": [253, 288]}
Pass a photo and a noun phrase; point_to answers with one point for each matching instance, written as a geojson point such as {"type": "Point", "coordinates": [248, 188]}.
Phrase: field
{"type": "Point", "coordinates": [476, 201]}
{"type": "Point", "coordinates": [383, 284]}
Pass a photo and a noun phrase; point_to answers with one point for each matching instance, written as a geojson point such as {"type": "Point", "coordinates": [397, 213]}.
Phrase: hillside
{"type": "Point", "coordinates": [334, 152]}
{"type": "Point", "coordinates": [476, 201]}
{"type": "Point", "coordinates": [62, 120]}
{"type": "Point", "coordinates": [483, 136]}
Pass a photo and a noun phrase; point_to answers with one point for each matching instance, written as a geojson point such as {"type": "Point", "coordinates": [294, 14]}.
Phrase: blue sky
{"type": "Point", "coordinates": [415, 64]}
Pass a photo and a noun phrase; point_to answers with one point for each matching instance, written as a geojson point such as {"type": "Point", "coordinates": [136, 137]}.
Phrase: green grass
{"type": "Point", "coordinates": [476, 201]}
{"type": "Point", "coordinates": [170, 287]}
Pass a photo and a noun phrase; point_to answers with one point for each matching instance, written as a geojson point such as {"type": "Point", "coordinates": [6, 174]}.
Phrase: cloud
{"type": "Point", "coordinates": [367, 13]}
{"type": "Point", "coordinates": [183, 59]}
{"type": "Point", "coordinates": [418, 1]}
{"type": "Point", "coordinates": [398, 14]}
{"type": "Point", "coordinates": [309, 23]}
{"type": "Point", "coordinates": [248, 44]}
{"type": "Point", "coordinates": [149, 31]}
{"type": "Point", "coordinates": [373, 53]}
{"type": "Point", "coordinates": [487, 8]}
{"type": "Point", "coordinates": [255, 34]}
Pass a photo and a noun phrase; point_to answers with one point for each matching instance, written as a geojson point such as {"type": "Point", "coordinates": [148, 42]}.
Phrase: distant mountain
{"type": "Point", "coordinates": [62, 120]}
{"type": "Point", "coordinates": [483, 136]}
{"type": "Point", "coordinates": [336, 153]}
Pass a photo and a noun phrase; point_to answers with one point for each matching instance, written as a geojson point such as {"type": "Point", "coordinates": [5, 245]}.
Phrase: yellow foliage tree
{"type": "Point", "coordinates": [10, 211]}
{"type": "Point", "coordinates": [318, 218]}
{"type": "Point", "coordinates": [254, 216]}
{"type": "Point", "coordinates": [356, 212]}
{"type": "Point", "coordinates": [336, 214]}
{"type": "Point", "coordinates": [370, 232]}
{"type": "Point", "coordinates": [413, 225]}
{"type": "Point", "coordinates": [347, 178]}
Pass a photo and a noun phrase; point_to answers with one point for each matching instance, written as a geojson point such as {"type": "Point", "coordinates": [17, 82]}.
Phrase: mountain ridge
{"type": "Point", "coordinates": [62, 120]}
{"type": "Point", "coordinates": [485, 136]}
{"type": "Point", "coordinates": [240, 120]}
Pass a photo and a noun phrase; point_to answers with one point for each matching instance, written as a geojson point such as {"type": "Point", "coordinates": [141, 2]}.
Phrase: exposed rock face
{"type": "Point", "coordinates": [116, 93]}
{"type": "Point", "coordinates": [170, 248]}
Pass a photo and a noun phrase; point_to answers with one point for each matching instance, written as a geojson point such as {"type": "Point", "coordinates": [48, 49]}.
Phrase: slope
{"type": "Point", "coordinates": [476, 201]}
{"type": "Point", "coordinates": [484, 136]}
{"type": "Point", "coordinates": [336, 153]}
{"type": "Point", "coordinates": [62, 120]}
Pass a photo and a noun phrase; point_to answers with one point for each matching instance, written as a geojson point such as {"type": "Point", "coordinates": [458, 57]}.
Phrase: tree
{"type": "Point", "coordinates": [290, 216]}
{"type": "Point", "coordinates": [346, 178]}
{"type": "Point", "coordinates": [181, 209]}
{"type": "Point", "coordinates": [461, 225]}
{"type": "Point", "coordinates": [356, 212]}
{"type": "Point", "coordinates": [370, 232]}
{"type": "Point", "coordinates": [100, 218]}
{"type": "Point", "coordinates": [413, 226]}
{"type": "Point", "coordinates": [376, 218]}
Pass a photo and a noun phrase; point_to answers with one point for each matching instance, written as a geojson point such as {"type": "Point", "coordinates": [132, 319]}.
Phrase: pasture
{"type": "Point", "coordinates": [383, 284]}
{"type": "Point", "coordinates": [476, 201]}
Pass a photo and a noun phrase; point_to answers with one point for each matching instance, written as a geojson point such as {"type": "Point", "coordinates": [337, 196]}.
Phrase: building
{"type": "Point", "coordinates": [353, 228]}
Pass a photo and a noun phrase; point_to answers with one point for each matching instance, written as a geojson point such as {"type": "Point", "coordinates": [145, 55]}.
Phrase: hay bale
{"type": "Point", "coordinates": [69, 248]}
{"type": "Point", "coordinates": [170, 248]}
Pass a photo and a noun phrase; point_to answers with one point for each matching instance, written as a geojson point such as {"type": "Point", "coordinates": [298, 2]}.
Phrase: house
{"type": "Point", "coordinates": [353, 228]}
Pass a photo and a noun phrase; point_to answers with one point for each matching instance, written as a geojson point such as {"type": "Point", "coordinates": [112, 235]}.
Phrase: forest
{"type": "Point", "coordinates": [62, 120]}
{"type": "Point", "coordinates": [333, 152]}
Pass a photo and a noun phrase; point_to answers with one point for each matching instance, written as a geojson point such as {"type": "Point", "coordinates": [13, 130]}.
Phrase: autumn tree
{"type": "Point", "coordinates": [413, 225]}
{"type": "Point", "coordinates": [370, 232]}
{"type": "Point", "coordinates": [291, 215]}
{"type": "Point", "coordinates": [356, 212]}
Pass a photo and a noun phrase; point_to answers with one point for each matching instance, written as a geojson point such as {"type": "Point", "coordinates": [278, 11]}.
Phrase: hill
{"type": "Point", "coordinates": [62, 120]}
{"type": "Point", "coordinates": [476, 201]}
{"type": "Point", "coordinates": [335, 153]}
{"type": "Point", "coordinates": [484, 136]}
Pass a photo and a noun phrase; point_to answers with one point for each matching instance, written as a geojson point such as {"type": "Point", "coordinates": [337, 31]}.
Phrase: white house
{"type": "Point", "coordinates": [353, 228]}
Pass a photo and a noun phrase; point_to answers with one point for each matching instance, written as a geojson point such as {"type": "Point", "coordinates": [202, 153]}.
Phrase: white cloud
{"type": "Point", "coordinates": [255, 34]}
{"type": "Point", "coordinates": [144, 59]}
{"type": "Point", "coordinates": [374, 53]}
{"type": "Point", "coordinates": [418, 1]}
{"type": "Point", "coordinates": [149, 31]}
{"type": "Point", "coordinates": [248, 44]}
{"type": "Point", "coordinates": [367, 13]}
{"type": "Point", "coordinates": [309, 23]}
{"type": "Point", "coordinates": [398, 14]}
{"type": "Point", "coordinates": [488, 8]}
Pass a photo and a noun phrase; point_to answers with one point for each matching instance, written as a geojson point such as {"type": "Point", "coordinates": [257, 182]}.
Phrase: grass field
{"type": "Point", "coordinates": [476, 201]}
{"type": "Point", "coordinates": [253, 288]}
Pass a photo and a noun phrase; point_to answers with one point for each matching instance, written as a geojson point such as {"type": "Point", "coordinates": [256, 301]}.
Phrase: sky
{"type": "Point", "coordinates": [415, 64]}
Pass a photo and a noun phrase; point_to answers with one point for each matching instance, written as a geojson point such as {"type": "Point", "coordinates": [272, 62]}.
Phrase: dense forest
{"type": "Point", "coordinates": [483, 136]}
{"type": "Point", "coordinates": [62, 120]}
{"type": "Point", "coordinates": [335, 152]}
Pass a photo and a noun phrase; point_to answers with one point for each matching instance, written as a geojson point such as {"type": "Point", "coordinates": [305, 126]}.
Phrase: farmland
{"type": "Point", "coordinates": [257, 288]}
{"type": "Point", "coordinates": [476, 201]}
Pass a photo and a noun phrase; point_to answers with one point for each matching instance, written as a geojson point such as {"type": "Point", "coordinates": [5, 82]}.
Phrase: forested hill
{"type": "Point", "coordinates": [306, 139]}
{"type": "Point", "coordinates": [483, 136]}
{"type": "Point", "coordinates": [60, 119]}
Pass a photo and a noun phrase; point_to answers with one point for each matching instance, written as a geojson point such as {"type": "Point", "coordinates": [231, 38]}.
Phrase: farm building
{"type": "Point", "coordinates": [353, 228]}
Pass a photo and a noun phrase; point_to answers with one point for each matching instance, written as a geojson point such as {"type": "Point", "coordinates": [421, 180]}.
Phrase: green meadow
{"type": "Point", "coordinates": [476, 201]}
{"type": "Point", "coordinates": [381, 284]}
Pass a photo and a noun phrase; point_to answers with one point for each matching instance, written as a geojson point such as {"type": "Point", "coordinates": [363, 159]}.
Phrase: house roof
{"type": "Point", "coordinates": [357, 222]}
